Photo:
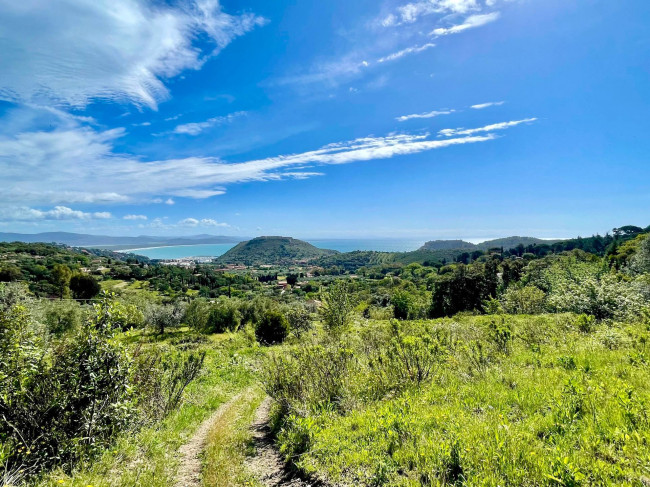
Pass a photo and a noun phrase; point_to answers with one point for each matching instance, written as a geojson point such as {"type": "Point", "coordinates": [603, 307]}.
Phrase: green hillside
{"type": "Point", "coordinates": [512, 242]}
{"type": "Point", "coordinates": [506, 243]}
{"type": "Point", "coordinates": [272, 250]}
{"type": "Point", "coordinates": [448, 245]}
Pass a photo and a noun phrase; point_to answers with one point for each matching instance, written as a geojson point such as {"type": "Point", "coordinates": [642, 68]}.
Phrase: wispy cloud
{"type": "Point", "coordinates": [411, 12]}
{"type": "Point", "coordinates": [118, 50]}
{"type": "Point", "coordinates": [135, 217]}
{"type": "Point", "coordinates": [330, 73]}
{"type": "Point", "coordinates": [25, 214]}
{"type": "Point", "coordinates": [488, 128]}
{"type": "Point", "coordinates": [196, 128]}
{"type": "Point", "coordinates": [481, 106]}
{"type": "Point", "coordinates": [32, 163]}
{"type": "Point", "coordinates": [435, 113]}
{"type": "Point", "coordinates": [470, 23]}
{"type": "Point", "coordinates": [404, 52]}
{"type": "Point", "coordinates": [204, 222]}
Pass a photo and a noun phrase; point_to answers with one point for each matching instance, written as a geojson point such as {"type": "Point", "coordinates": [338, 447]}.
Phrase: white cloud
{"type": "Point", "coordinates": [411, 12]}
{"type": "Point", "coordinates": [331, 72]}
{"type": "Point", "coordinates": [487, 128]}
{"type": "Point", "coordinates": [31, 163]}
{"type": "Point", "coordinates": [435, 113]}
{"type": "Point", "coordinates": [135, 217]}
{"type": "Point", "coordinates": [197, 127]}
{"type": "Point", "coordinates": [205, 222]}
{"type": "Point", "coordinates": [170, 201]}
{"type": "Point", "coordinates": [404, 52]}
{"type": "Point", "coordinates": [24, 213]}
{"type": "Point", "coordinates": [481, 106]}
{"type": "Point", "coordinates": [469, 23]}
{"type": "Point", "coordinates": [60, 52]}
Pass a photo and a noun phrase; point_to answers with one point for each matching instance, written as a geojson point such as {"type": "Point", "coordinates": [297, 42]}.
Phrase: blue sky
{"type": "Point", "coordinates": [422, 119]}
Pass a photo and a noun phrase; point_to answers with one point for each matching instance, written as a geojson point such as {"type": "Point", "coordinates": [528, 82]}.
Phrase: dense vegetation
{"type": "Point", "coordinates": [272, 250]}
{"type": "Point", "coordinates": [525, 366]}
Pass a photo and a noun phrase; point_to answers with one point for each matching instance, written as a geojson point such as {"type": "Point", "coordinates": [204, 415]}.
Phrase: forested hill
{"type": "Point", "coordinates": [448, 245]}
{"type": "Point", "coordinates": [506, 243]}
{"type": "Point", "coordinates": [272, 250]}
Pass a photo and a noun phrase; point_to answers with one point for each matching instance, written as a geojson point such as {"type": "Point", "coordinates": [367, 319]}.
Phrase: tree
{"type": "Point", "coordinates": [401, 304]}
{"type": "Point", "coordinates": [641, 261]}
{"type": "Point", "coordinates": [224, 316]}
{"type": "Point", "coordinates": [10, 273]}
{"type": "Point", "coordinates": [292, 279]}
{"type": "Point", "coordinates": [273, 328]}
{"type": "Point", "coordinates": [84, 286]}
{"type": "Point", "coordinates": [338, 305]}
{"type": "Point", "coordinates": [61, 274]}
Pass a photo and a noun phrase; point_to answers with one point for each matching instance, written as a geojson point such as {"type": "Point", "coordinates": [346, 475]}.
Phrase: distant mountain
{"type": "Point", "coordinates": [448, 245]}
{"type": "Point", "coordinates": [272, 250]}
{"type": "Point", "coordinates": [506, 243]}
{"type": "Point", "coordinates": [114, 243]}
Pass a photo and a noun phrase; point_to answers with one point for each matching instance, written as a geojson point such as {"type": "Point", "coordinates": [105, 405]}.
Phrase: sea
{"type": "Point", "coordinates": [342, 245]}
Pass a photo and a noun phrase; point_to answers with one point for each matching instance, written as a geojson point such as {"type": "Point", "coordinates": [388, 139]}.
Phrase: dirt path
{"type": "Point", "coordinates": [189, 469]}
{"type": "Point", "coordinates": [267, 464]}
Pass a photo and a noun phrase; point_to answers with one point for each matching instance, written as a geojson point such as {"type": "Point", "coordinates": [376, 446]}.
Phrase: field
{"type": "Point", "coordinates": [474, 400]}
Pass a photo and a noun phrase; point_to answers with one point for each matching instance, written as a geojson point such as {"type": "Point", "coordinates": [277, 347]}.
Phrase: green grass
{"type": "Point", "coordinates": [554, 407]}
{"type": "Point", "coordinates": [148, 457]}
{"type": "Point", "coordinates": [229, 443]}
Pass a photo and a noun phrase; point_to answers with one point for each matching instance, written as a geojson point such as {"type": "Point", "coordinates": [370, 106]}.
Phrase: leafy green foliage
{"type": "Point", "coordinates": [338, 306]}
{"type": "Point", "coordinates": [68, 407]}
{"type": "Point", "coordinates": [273, 328]}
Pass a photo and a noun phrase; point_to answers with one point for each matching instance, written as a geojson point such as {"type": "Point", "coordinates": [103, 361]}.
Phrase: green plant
{"type": "Point", "coordinates": [338, 306]}
{"type": "Point", "coordinates": [224, 316]}
{"type": "Point", "coordinates": [585, 323]}
{"type": "Point", "coordinates": [273, 328]}
{"type": "Point", "coordinates": [501, 334]}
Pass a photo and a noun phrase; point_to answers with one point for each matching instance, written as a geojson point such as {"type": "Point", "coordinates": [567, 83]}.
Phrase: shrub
{"type": "Point", "coordinates": [299, 319]}
{"type": "Point", "coordinates": [161, 378]}
{"type": "Point", "coordinates": [68, 404]}
{"type": "Point", "coordinates": [524, 300]}
{"type": "Point", "coordinates": [161, 316]}
{"type": "Point", "coordinates": [338, 306]}
{"type": "Point", "coordinates": [402, 304]}
{"type": "Point", "coordinates": [585, 323]}
{"type": "Point", "coordinates": [196, 314]}
{"type": "Point", "coordinates": [414, 358]}
{"type": "Point", "coordinates": [84, 286]}
{"type": "Point", "coordinates": [501, 335]}
{"type": "Point", "coordinates": [273, 328]}
{"type": "Point", "coordinates": [224, 316]}
{"type": "Point", "coordinates": [62, 316]}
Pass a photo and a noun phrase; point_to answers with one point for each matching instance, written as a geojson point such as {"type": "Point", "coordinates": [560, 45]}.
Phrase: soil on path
{"type": "Point", "coordinates": [189, 470]}
{"type": "Point", "coordinates": [267, 464]}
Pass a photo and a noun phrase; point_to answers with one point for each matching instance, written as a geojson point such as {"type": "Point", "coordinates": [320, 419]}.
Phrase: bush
{"type": "Point", "coordinates": [65, 404]}
{"type": "Point", "coordinates": [524, 300]}
{"type": "Point", "coordinates": [224, 316]}
{"type": "Point", "coordinates": [161, 378]}
{"type": "Point", "coordinates": [84, 286]}
{"type": "Point", "coordinates": [196, 314]}
{"type": "Point", "coordinates": [338, 306]}
{"type": "Point", "coordinates": [62, 316]}
{"type": "Point", "coordinates": [273, 328]}
{"type": "Point", "coordinates": [401, 301]}
{"type": "Point", "coordinates": [585, 323]}
{"type": "Point", "coordinates": [299, 319]}
{"type": "Point", "coordinates": [160, 316]}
